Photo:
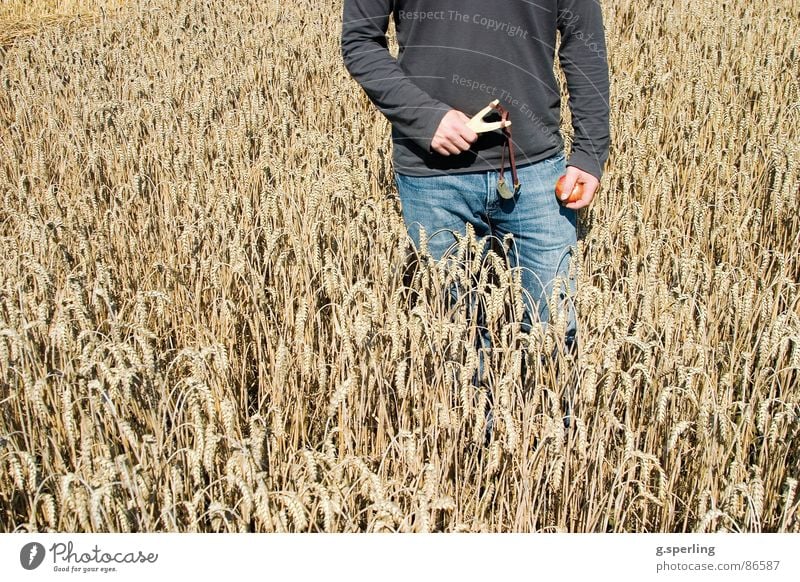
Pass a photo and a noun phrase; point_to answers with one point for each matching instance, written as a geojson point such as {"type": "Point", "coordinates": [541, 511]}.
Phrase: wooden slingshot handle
{"type": "Point", "coordinates": [478, 125]}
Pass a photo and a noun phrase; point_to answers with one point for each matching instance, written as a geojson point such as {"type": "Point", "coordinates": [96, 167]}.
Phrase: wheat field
{"type": "Point", "coordinates": [20, 18]}
{"type": "Point", "coordinates": [207, 320]}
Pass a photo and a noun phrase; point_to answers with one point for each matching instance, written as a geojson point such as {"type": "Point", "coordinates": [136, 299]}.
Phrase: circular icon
{"type": "Point", "coordinates": [31, 555]}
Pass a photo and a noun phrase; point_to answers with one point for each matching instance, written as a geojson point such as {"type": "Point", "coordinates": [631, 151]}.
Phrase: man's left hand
{"type": "Point", "coordinates": [585, 179]}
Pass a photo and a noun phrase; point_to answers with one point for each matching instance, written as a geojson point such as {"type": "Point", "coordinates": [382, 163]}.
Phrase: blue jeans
{"type": "Point", "coordinates": [544, 232]}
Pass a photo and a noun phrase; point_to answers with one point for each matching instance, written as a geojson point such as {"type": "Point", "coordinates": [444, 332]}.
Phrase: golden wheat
{"type": "Point", "coordinates": [207, 320]}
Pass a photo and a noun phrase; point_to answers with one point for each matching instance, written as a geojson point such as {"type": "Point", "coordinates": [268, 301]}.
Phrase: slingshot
{"type": "Point", "coordinates": [478, 125]}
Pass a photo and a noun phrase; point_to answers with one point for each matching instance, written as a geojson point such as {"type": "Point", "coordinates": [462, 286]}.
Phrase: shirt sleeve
{"type": "Point", "coordinates": [582, 54]}
{"type": "Point", "coordinates": [410, 110]}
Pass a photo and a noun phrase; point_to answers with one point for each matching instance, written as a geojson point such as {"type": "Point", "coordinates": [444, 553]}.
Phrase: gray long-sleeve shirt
{"type": "Point", "coordinates": [462, 54]}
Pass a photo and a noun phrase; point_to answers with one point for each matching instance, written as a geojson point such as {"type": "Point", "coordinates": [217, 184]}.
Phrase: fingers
{"type": "Point", "coordinates": [453, 136]}
{"type": "Point", "coordinates": [587, 186]}
{"type": "Point", "coordinates": [569, 181]}
{"type": "Point", "coordinates": [450, 144]}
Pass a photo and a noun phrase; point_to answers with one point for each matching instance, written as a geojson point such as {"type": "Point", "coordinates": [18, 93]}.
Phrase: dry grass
{"type": "Point", "coordinates": [204, 323]}
{"type": "Point", "coordinates": [25, 17]}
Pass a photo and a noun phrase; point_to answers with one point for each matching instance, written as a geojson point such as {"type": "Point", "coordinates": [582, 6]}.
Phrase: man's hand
{"type": "Point", "coordinates": [576, 176]}
{"type": "Point", "coordinates": [453, 136]}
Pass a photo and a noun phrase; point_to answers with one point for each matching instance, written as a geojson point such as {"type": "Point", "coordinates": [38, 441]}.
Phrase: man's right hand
{"type": "Point", "coordinates": [453, 136]}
